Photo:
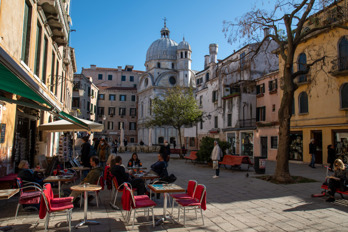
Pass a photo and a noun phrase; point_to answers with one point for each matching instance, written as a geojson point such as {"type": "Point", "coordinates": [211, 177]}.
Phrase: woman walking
{"type": "Point", "coordinates": [216, 155]}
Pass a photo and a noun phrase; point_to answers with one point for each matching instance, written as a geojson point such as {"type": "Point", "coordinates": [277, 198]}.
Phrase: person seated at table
{"type": "Point", "coordinates": [160, 167]}
{"type": "Point", "coordinates": [338, 180]}
{"type": "Point", "coordinates": [91, 178]}
{"type": "Point", "coordinates": [107, 174]}
{"type": "Point", "coordinates": [27, 174]}
{"type": "Point", "coordinates": [134, 161]}
{"type": "Point", "coordinates": [122, 176]}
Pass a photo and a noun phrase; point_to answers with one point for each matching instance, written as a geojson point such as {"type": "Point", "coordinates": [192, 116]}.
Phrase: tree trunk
{"type": "Point", "coordinates": [282, 173]}
{"type": "Point", "coordinates": [180, 144]}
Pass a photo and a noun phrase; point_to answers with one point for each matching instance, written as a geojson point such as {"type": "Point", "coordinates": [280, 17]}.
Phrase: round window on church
{"type": "Point", "coordinates": [146, 82]}
{"type": "Point", "coordinates": [172, 80]}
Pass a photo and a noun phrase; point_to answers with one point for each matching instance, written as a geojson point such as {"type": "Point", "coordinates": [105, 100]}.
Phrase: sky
{"type": "Point", "coordinates": [111, 33]}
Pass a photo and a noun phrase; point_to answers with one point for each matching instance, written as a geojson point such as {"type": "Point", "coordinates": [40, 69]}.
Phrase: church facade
{"type": "Point", "coordinates": [168, 64]}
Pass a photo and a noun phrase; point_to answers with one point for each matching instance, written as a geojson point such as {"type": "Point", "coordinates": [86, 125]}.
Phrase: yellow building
{"type": "Point", "coordinates": [36, 77]}
{"type": "Point", "coordinates": [320, 109]}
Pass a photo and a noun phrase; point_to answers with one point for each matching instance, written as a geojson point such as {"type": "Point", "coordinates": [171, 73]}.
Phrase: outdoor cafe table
{"type": "Point", "coordinates": [136, 168]}
{"type": "Point", "coordinates": [59, 179]}
{"type": "Point", "coordinates": [80, 169]}
{"type": "Point", "coordinates": [86, 188]}
{"type": "Point", "coordinates": [147, 176]}
{"type": "Point", "coordinates": [4, 195]}
{"type": "Point", "coordinates": [165, 189]}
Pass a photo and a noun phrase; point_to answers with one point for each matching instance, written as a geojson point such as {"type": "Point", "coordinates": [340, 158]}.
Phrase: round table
{"type": "Point", "coordinates": [86, 188]}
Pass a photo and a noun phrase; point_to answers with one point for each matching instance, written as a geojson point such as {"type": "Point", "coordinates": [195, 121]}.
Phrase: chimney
{"type": "Point", "coordinates": [119, 68]}
{"type": "Point", "coordinates": [93, 66]}
{"type": "Point", "coordinates": [213, 50]}
{"type": "Point", "coordinates": [265, 31]}
{"type": "Point", "coordinates": [206, 61]}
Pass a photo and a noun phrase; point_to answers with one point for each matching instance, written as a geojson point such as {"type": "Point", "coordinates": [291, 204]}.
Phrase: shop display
{"type": "Point", "coordinates": [296, 147]}
{"type": "Point", "coordinates": [341, 144]}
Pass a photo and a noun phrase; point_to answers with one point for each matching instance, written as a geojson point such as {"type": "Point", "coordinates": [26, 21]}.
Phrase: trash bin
{"type": "Point", "coordinates": [260, 165]}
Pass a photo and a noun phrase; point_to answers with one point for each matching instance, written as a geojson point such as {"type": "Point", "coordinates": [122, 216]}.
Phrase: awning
{"type": "Point", "coordinates": [65, 125]}
{"type": "Point", "coordinates": [73, 120]}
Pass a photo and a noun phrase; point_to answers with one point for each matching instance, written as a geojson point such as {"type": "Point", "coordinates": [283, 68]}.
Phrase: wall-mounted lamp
{"type": "Point", "coordinates": [81, 92]}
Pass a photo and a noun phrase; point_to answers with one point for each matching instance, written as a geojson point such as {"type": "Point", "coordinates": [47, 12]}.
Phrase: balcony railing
{"type": "Point", "coordinates": [339, 66]}
{"type": "Point", "coordinates": [247, 123]}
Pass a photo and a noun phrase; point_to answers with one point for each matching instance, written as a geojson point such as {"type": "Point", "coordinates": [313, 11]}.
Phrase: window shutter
{"type": "Point", "coordinates": [257, 89]}
{"type": "Point", "coordinates": [264, 113]}
{"type": "Point", "coordinates": [263, 89]}
{"type": "Point", "coordinates": [257, 114]}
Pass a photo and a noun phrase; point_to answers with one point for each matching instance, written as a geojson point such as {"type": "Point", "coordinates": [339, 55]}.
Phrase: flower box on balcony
{"type": "Point", "coordinates": [214, 131]}
{"type": "Point", "coordinates": [260, 95]}
{"type": "Point", "coordinates": [232, 95]}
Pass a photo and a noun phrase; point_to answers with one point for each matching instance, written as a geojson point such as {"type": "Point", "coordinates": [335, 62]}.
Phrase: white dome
{"type": "Point", "coordinates": [162, 49]}
{"type": "Point", "coordinates": [184, 45]}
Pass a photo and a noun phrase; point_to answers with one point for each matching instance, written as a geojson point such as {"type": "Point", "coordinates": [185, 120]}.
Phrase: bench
{"type": "Point", "coordinates": [192, 156]}
{"type": "Point", "coordinates": [180, 152]}
{"type": "Point", "coordinates": [236, 161]}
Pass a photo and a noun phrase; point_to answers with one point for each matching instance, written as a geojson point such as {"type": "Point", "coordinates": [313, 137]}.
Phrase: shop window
{"type": "Point", "coordinates": [274, 142]}
{"type": "Point", "coordinates": [296, 146]}
{"type": "Point", "coordinates": [341, 144]}
{"type": "Point", "coordinates": [344, 96]}
{"type": "Point", "coordinates": [302, 66]}
{"type": "Point", "coordinates": [343, 54]}
{"type": "Point", "coordinates": [247, 143]}
{"type": "Point", "coordinates": [303, 103]}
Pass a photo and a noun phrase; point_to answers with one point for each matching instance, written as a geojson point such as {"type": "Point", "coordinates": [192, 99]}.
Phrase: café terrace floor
{"type": "Point", "coordinates": [235, 202]}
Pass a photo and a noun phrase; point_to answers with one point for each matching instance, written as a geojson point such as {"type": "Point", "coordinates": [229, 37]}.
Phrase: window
{"type": "Point", "coordinates": [133, 112]}
{"type": "Point", "coordinates": [273, 85]}
{"type": "Point", "coordinates": [200, 100]}
{"type": "Point", "coordinates": [112, 97]}
{"type": "Point", "coordinates": [110, 77]}
{"type": "Point", "coordinates": [261, 114]}
{"type": "Point", "coordinates": [112, 111]}
{"type": "Point", "coordinates": [76, 102]}
{"type": "Point", "coordinates": [146, 82]}
{"type": "Point", "coordinates": [123, 97]}
{"type": "Point", "coordinates": [343, 54]}
{"type": "Point", "coordinates": [26, 32]}
{"type": "Point", "coordinates": [185, 54]}
{"type": "Point", "coordinates": [344, 96]}
{"type": "Point", "coordinates": [229, 119]}
{"type": "Point", "coordinates": [95, 108]}
{"type": "Point", "coordinates": [122, 111]}
{"type": "Point", "coordinates": [215, 96]}
{"type": "Point", "coordinates": [173, 66]}
{"type": "Point", "coordinates": [260, 89]}
{"type": "Point", "coordinates": [303, 103]}
{"type": "Point", "coordinates": [52, 71]}
{"type": "Point", "coordinates": [131, 78]}
{"type": "Point", "coordinates": [274, 142]}
{"type": "Point", "coordinates": [201, 125]}
{"type": "Point", "coordinates": [132, 140]}
{"type": "Point", "coordinates": [88, 106]}
{"type": "Point", "coordinates": [158, 65]}
{"type": "Point", "coordinates": [172, 80]}
{"type": "Point", "coordinates": [273, 108]}
{"type": "Point", "coordinates": [56, 86]}
{"type": "Point", "coordinates": [44, 65]}
{"type": "Point", "coordinates": [216, 122]}
{"type": "Point", "coordinates": [132, 126]}
{"type": "Point", "coordinates": [38, 49]}
{"type": "Point", "coordinates": [101, 97]}
{"type": "Point", "coordinates": [150, 106]}
{"type": "Point", "coordinates": [242, 61]}
{"type": "Point", "coordinates": [120, 124]}
{"type": "Point", "coordinates": [302, 66]}
{"type": "Point", "coordinates": [133, 98]}
{"type": "Point", "coordinates": [123, 78]}
{"type": "Point", "coordinates": [293, 107]}
{"type": "Point", "coordinates": [160, 140]}
{"type": "Point", "coordinates": [110, 125]}
{"type": "Point", "coordinates": [100, 110]}
{"type": "Point", "coordinates": [181, 55]}
{"type": "Point", "coordinates": [199, 81]}
{"type": "Point", "coordinates": [100, 76]}
{"type": "Point", "coordinates": [206, 77]}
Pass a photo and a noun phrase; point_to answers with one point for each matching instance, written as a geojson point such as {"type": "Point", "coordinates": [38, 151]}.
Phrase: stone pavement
{"type": "Point", "coordinates": [235, 203]}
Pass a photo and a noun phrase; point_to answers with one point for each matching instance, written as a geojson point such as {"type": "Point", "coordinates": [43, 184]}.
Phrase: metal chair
{"type": "Point", "coordinates": [190, 191]}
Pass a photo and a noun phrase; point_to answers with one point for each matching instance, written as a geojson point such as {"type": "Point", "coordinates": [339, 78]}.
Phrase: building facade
{"type": "Point", "coordinates": [116, 101]}
{"type": "Point", "coordinates": [37, 67]}
{"type": "Point", "coordinates": [168, 64]}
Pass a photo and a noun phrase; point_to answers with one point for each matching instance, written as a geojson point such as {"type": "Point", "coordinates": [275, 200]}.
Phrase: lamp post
{"type": "Point", "coordinates": [104, 118]}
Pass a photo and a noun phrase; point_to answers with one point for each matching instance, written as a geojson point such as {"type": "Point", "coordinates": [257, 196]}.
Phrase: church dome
{"type": "Point", "coordinates": [162, 49]}
{"type": "Point", "coordinates": [184, 45]}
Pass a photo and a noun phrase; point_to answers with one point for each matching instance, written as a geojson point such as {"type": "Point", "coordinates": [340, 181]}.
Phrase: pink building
{"type": "Point", "coordinates": [267, 106]}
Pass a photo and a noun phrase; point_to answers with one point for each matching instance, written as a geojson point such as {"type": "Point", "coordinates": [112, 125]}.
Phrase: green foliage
{"type": "Point", "coordinates": [206, 147]}
{"type": "Point", "coordinates": [176, 108]}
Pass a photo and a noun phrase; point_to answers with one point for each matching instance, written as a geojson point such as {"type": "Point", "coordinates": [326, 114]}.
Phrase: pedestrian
{"type": "Point", "coordinates": [338, 180]}
{"type": "Point", "coordinates": [115, 146]}
{"type": "Point", "coordinates": [125, 142]}
{"type": "Point", "coordinates": [312, 150]}
{"type": "Point", "coordinates": [103, 152]}
{"type": "Point", "coordinates": [165, 150]}
{"type": "Point", "coordinates": [331, 156]}
{"type": "Point", "coordinates": [141, 143]}
{"type": "Point", "coordinates": [95, 143]}
{"type": "Point", "coordinates": [216, 155]}
{"type": "Point", "coordinates": [85, 150]}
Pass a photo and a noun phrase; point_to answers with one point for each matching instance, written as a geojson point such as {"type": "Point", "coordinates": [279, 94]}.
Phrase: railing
{"type": "Point", "coordinates": [247, 123]}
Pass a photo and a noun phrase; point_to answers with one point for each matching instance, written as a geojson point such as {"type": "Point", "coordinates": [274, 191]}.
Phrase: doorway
{"type": "Point", "coordinates": [318, 137]}
{"type": "Point", "coordinates": [264, 147]}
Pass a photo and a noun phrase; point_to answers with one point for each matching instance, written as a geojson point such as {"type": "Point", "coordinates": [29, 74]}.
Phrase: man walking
{"type": "Point", "coordinates": [216, 155]}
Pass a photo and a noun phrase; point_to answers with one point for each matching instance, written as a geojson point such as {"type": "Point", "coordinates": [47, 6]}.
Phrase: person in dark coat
{"type": "Point", "coordinates": [27, 174]}
{"type": "Point", "coordinates": [312, 150]}
{"type": "Point", "coordinates": [331, 156]}
{"type": "Point", "coordinates": [160, 167]}
{"type": "Point", "coordinates": [86, 147]}
{"type": "Point", "coordinates": [165, 150]}
{"type": "Point", "coordinates": [338, 180]}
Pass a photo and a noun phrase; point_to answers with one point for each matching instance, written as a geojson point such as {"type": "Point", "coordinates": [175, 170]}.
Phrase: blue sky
{"type": "Point", "coordinates": [111, 33]}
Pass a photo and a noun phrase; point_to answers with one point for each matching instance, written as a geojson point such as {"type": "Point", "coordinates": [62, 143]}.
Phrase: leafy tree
{"type": "Point", "coordinates": [207, 146]}
{"type": "Point", "coordinates": [177, 108]}
{"type": "Point", "coordinates": [287, 23]}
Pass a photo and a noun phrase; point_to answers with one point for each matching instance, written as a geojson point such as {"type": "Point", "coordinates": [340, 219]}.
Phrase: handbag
{"type": "Point", "coordinates": [215, 164]}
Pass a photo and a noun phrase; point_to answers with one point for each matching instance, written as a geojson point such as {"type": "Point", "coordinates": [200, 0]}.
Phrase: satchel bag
{"type": "Point", "coordinates": [215, 164]}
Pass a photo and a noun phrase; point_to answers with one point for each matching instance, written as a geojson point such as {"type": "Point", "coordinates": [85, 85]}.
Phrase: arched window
{"type": "Point", "coordinates": [158, 65]}
{"type": "Point", "coordinates": [344, 96]}
{"type": "Point", "coordinates": [206, 77]}
{"type": "Point", "coordinates": [343, 54]}
{"type": "Point", "coordinates": [303, 103]}
{"type": "Point", "coordinates": [302, 66]}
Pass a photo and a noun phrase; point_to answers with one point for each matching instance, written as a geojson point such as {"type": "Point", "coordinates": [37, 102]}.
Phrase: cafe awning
{"type": "Point", "coordinates": [67, 125]}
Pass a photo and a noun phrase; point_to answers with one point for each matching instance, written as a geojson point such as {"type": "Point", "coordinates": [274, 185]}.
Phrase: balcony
{"type": "Point", "coordinates": [247, 123]}
{"type": "Point", "coordinates": [231, 95]}
{"type": "Point", "coordinates": [339, 67]}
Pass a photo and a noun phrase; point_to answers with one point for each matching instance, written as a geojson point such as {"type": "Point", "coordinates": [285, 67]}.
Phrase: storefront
{"type": "Point", "coordinates": [296, 146]}
{"type": "Point", "coordinates": [247, 143]}
{"type": "Point", "coordinates": [341, 144]}
{"type": "Point", "coordinates": [231, 138]}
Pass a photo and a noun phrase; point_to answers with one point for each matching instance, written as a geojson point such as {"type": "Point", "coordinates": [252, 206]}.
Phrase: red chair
{"type": "Point", "coordinates": [129, 203]}
{"type": "Point", "coordinates": [30, 194]}
{"type": "Point", "coordinates": [50, 205]}
{"type": "Point", "coordinates": [97, 198]}
{"type": "Point", "coordinates": [190, 191]}
{"type": "Point", "coordinates": [118, 188]}
{"type": "Point", "coordinates": [197, 202]}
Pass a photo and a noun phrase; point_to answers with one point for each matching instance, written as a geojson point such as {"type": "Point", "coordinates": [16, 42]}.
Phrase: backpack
{"type": "Point", "coordinates": [92, 151]}
{"type": "Point", "coordinates": [169, 179]}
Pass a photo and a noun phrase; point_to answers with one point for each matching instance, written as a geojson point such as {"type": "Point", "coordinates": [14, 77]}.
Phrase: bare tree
{"type": "Point", "coordinates": [287, 21]}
